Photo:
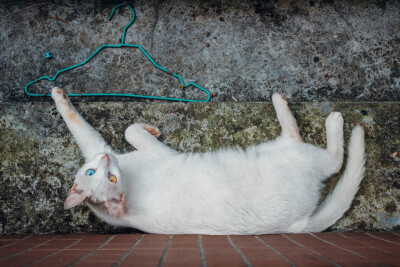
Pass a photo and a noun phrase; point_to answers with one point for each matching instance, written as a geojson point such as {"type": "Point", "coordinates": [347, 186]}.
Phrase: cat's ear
{"type": "Point", "coordinates": [74, 198]}
{"type": "Point", "coordinates": [116, 207]}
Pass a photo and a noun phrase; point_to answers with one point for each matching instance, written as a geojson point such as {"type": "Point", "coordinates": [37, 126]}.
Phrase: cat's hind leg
{"type": "Point", "coordinates": [288, 123]}
{"type": "Point", "coordinates": [144, 138]}
{"type": "Point", "coordinates": [89, 140]}
{"type": "Point", "coordinates": [334, 138]}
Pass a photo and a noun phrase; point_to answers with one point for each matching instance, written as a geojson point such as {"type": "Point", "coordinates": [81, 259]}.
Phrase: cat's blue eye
{"type": "Point", "coordinates": [90, 172]}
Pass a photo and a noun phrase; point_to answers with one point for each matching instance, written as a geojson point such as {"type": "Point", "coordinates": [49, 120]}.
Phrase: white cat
{"type": "Point", "coordinates": [273, 187]}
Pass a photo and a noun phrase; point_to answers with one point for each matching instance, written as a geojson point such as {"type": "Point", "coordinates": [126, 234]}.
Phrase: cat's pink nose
{"type": "Point", "coordinates": [104, 161]}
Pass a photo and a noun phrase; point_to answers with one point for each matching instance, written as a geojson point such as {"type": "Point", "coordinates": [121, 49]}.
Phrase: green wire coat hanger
{"type": "Point", "coordinates": [123, 44]}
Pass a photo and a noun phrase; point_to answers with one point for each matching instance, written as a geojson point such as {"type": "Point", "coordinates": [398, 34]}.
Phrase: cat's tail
{"type": "Point", "coordinates": [339, 201]}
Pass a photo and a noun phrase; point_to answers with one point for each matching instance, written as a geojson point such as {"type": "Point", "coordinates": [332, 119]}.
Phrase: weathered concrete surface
{"type": "Point", "coordinates": [39, 157]}
{"type": "Point", "coordinates": [322, 50]}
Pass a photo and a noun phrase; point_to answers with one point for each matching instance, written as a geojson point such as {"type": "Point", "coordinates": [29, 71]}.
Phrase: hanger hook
{"type": "Point", "coordinates": [129, 24]}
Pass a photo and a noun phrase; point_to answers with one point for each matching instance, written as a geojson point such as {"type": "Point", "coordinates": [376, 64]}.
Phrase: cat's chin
{"type": "Point", "coordinates": [104, 207]}
{"type": "Point", "coordinates": [94, 203]}
{"type": "Point", "coordinates": [97, 205]}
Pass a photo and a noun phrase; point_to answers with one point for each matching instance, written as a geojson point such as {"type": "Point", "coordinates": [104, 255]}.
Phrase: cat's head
{"type": "Point", "coordinates": [99, 182]}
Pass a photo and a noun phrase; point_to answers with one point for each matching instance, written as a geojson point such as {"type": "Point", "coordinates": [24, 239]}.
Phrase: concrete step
{"type": "Point", "coordinates": [39, 156]}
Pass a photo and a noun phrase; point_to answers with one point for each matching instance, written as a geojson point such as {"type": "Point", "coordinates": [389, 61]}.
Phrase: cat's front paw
{"type": "Point", "coordinates": [59, 95]}
{"type": "Point", "coordinates": [279, 99]}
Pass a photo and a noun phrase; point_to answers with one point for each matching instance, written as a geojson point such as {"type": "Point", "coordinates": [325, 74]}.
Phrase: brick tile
{"type": "Point", "coordinates": [86, 245]}
{"type": "Point", "coordinates": [8, 251]}
{"type": "Point", "coordinates": [384, 242]}
{"type": "Point", "coordinates": [183, 251]}
{"type": "Point", "coordinates": [36, 253]}
{"type": "Point", "coordinates": [6, 242]}
{"type": "Point", "coordinates": [257, 253]}
{"type": "Point", "coordinates": [111, 252]}
{"type": "Point", "coordinates": [363, 249]}
{"type": "Point", "coordinates": [219, 252]}
{"type": "Point", "coordinates": [13, 237]}
{"type": "Point", "coordinates": [296, 254]}
{"type": "Point", "coordinates": [26, 258]}
{"type": "Point", "coordinates": [340, 241]}
{"type": "Point", "coordinates": [124, 241]}
{"type": "Point", "coordinates": [148, 252]}
{"type": "Point", "coordinates": [70, 236]}
{"type": "Point", "coordinates": [101, 258]}
{"type": "Point", "coordinates": [55, 244]}
{"type": "Point", "coordinates": [374, 242]}
{"type": "Point", "coordinates": [36, 239]}
{"type": "Point", "coordinates": [347, 249]}
{"type": "Point", "coordinates": [380, 257]}
{"type": "Point", "coordinates": [392, 237]}
{"type": "Point", "coordinates": [62, 259]}
{"type": "Point", "coordinates": [23, 245]}
{"type": "Point", "coordinates": [335, 253]}
{"type": "Point", "coordinates": [381, 247]}
{"type": "Point", "coordinates": [90, 242]}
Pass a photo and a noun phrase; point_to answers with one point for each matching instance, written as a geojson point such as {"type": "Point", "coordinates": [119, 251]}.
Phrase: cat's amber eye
{"type": "Point", "coordinates": [112, 178]}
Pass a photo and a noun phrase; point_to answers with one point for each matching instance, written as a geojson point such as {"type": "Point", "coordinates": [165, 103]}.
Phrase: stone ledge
{"type": "Point", "coordinates": [39, 157]}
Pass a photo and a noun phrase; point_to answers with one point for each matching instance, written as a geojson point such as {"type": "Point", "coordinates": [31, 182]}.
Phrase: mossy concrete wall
{"type": "Point", "coordinates": [39, 156]}
{"type": "Point", "coordinates": [327, 52]}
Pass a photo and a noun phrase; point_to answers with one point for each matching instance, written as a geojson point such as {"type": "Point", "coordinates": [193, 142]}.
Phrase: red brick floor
{"type": "Point", "coordinates": [321, 249]}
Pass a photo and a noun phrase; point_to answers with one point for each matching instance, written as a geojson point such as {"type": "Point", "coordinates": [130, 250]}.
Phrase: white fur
{"type": "Point", "coordinates": [273, 187]}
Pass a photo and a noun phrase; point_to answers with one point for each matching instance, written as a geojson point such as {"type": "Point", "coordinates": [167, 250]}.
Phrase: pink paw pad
{"type": "Point", "coordinates": [153, 131]}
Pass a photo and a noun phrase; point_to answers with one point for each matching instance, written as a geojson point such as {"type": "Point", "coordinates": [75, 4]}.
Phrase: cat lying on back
{"type": "Point", "coordinates": [273, 187]}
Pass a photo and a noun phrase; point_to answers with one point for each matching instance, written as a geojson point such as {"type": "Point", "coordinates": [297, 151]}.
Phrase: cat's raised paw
{"type": "Point", "coordinates": [59, 95]}
{"type": "Point", "coordinates": [334, 138]}
{"type": "Point", "coordinates": [278, 98]}
{"type": "Point", "coordinates": [57, 91]}
{"type": "Point", "coordinates": [334, 121]}
{"type": "Point", "coordinates": [153, 130]}
{"type": "Point", "coordinates": [135, 130]}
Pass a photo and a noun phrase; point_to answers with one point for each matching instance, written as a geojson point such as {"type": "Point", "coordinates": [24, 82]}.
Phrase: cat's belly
{"type": "Point", "coordinates": [236, 193]}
